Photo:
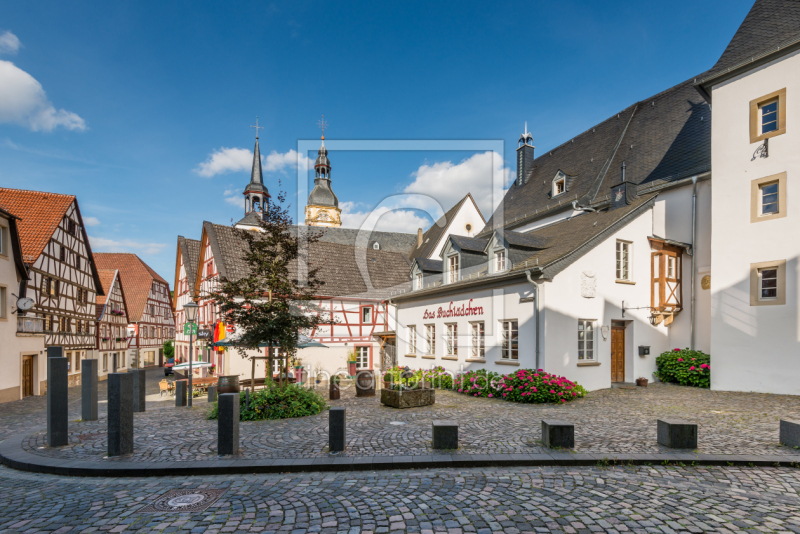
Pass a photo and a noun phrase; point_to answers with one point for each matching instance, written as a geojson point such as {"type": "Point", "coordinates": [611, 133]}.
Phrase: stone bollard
{"type": "Point", "coordinates": [789, 433]}
{"type": "Point", "coordinates": [445, 434]}
{"type": "Point", "coordinates": [89, 390]}
{"type": "Point", "coordinates": [558, 434]}
{"type": "Point", "coordinates": [337, 429]}
{"type": "Point", "coordinates": [181, 387]}
{"type": "Point", "coordinates": [212, 393]}
{"type": "Point", "coordinates": [139, 386]}
{"type": "Point", "coordinates": [228, 424]}
{"type": "Point", "coordinates": [57, 370]}
{"type": "Point", "coordinates": [120, 414]}
{"type": "Point", "coordinates": [677, 434]}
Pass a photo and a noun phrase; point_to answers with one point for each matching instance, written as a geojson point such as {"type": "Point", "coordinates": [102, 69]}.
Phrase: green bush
{"type": "Point", "coordinates": [277, 403]}
{"type": "Point", "coordinates": [685, 367]}
{"type": "Point", "coordinates": [525, 385]}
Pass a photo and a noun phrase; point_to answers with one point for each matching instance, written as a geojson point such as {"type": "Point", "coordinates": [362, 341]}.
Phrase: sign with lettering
{"type": "Point", "coordinates": [189, 328]}
{"type": "Point", "coordinates": [205, 333]}
{"type": "Point", "coordinates": [454, 310]}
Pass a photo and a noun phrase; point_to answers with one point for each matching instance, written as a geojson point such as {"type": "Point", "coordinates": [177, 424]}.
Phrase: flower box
{"type": "Point", "coordinates": [410, 398]}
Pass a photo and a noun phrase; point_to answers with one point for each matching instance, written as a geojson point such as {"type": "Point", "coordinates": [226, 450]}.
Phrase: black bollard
{"type": "Point", "coordinates": [57, 370]}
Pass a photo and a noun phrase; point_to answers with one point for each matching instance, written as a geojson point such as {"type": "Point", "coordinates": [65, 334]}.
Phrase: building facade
{"type": "Point", "coordinates": [112, 326]}
{"type": "Point", "coordinates": [188, 253]}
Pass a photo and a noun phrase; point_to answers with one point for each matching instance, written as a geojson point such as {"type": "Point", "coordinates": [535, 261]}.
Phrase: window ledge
{"type": "Point", "coordinates": [506, 362]}
{"type": "Point", "coordinates": [478, 360]}
{"type": "Point", "coordinates": [411, 355]}
{"type": "Point", "coordinates": [454, 358]}
{"type": "Point", "coordinates": [626, 282]}
{"type": "Point", "coordinates": [428, 356]}
{"type": "Point", "coordinates": [588, 364]}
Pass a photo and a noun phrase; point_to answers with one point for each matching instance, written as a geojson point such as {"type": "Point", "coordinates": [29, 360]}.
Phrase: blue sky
{"type": "Point", "coordinates": [127, 104]}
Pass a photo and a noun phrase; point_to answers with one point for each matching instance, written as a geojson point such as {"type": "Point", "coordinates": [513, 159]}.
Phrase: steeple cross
{"type": "Point", "coordinates": [257, 127]}
{"type": "Point", "coordinates": [322, 125]}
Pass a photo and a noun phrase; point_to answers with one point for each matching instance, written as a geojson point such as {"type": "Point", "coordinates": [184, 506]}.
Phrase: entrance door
{"type": "Point", "coordinates": [27, 376]}
{"type": "Point", "coordinates": [114, 363]}
{"type": "Point", "coordinates": [617, 352]}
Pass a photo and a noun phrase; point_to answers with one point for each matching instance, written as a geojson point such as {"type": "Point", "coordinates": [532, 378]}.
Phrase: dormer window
{"type": "Point", "coordinates": [559, 185]}
{"type": "Point", "coordinates": [418, 281]}
{"type": "Point", "coordinates": [500, 261]}
{"type": "Point", "coordinates": [452, 269]}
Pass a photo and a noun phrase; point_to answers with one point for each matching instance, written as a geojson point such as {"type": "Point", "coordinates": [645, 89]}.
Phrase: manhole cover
{"type": "Point", "coordinates": [184, 500]}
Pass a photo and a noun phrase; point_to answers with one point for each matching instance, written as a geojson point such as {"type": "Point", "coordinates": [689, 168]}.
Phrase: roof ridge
{"type": "Point", "coordinates": [35, 191]}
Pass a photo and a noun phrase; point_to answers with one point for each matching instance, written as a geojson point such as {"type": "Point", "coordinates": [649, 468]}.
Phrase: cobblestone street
{"type": "Point", "coordinates": [561, 499]}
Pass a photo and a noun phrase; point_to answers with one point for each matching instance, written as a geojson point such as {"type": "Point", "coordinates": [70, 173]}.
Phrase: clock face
{"type": "Point", "coordinates": [323, 216]}
{"type": "Point", "coordinates": [25, 303]}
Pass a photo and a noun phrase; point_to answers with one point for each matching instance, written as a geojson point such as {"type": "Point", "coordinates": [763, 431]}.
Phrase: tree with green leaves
{"type": "Point", "coordinates": [274, 302]}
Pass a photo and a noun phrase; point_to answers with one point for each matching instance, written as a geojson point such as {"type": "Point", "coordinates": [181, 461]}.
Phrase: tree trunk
{"type": "Point", "coordinates": [269, 366]}
{"type": "Point", "coordinates": [253, 377]}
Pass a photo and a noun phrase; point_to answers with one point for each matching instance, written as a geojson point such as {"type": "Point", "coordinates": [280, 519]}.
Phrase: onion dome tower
{"type": "Point", "coordinates": [322, 208]}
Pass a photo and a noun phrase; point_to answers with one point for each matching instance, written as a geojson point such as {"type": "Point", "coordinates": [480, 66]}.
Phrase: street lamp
{"type": "Point", "coordinates": [190, 308]}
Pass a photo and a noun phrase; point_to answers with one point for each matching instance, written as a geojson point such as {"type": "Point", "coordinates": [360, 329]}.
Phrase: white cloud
{"type": "Point", "coordinates": [9, 43]}
{"type": "Point", "coordinates": [91, 221]}
{"type": "Point", "coordinates": [235, 198]}
{"type": "Point", "coordinates": [101, 244]}
{"type": "Point", "coordinates": [388, 219]}
{"type": "Point", "coordinates": [227, 160]}
{"type": "Point", "coordinates": [483, 175]}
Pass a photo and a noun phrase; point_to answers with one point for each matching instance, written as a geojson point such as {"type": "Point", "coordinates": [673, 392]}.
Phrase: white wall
{"type": "Point", "coordinates": [755, 348]}
{"type": "Point", "coordinates": [468, 214]}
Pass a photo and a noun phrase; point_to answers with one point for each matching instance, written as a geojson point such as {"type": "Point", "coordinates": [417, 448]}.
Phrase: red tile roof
{"type": "Point", "coordinates": [39, 214]}
{"type": "Point", "coordinates": [136, 277]}
{"type": "Point", "coordinates": [106, 279]}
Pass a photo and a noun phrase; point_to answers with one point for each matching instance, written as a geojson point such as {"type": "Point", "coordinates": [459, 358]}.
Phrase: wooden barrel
{"type": "Point", "coordinates": [228, 384]}
{"type": "Point", "coordinates": [333, 393]}
{"type": "Point", "coordinates": [365, 384]}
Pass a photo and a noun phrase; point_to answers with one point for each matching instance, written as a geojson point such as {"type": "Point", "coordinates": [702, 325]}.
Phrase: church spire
{"type": "Point", "coordinates": [322, 208]}
{"type": "Point", "coordinates": [256, 193]}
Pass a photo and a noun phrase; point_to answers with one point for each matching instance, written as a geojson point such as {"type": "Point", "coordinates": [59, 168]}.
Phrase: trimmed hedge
{"type": "Point", "coordinates": [685, 367]}
{"type": "Point", "coordinates": [277, 403]}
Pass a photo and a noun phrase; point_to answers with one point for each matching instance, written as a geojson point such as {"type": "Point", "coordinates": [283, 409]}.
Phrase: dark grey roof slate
{"type": "Point", "coordinates": [469, 243]}
{"type": "Point", "coordinates": [666, 137]}
{"type": "Point", "coordinates": [527, 240]}
{"type": "Point", "coordinates": [389, 241]}
{"type": "Point", "coordinates": [256, 176]}
{"type": "Point", "coordinates": [432, 236]}
{"type": "Point", "coordinates": [769, 26]}
{"type": "Point", "coordinates": [190, 251]}
{"type": "Point", "coordinates": [340, 265]}
{"type": "Point", "coordinates": [434, 266]}
{"type": "Point", "coordinates": [251, 219]}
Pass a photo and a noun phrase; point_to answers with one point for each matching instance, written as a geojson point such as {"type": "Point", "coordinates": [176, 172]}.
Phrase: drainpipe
{"type": "Point", "coordinates": [694, 258]}
{"type": "Point", "coordinates": [536, 312]}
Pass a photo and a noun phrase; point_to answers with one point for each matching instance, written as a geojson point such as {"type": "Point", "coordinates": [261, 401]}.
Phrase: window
{"type": "Point", "coordinates": [559, 186]}
{"type": "Point", "coordinates": [430, 338]}
{"type": "Point", "coordinates": [77, 362]}
{"type": "Point", "coordinates": [419, 281]}
{"type": "Point", "coordinates": [768, 116]}
{"type": "Point", "coordinates": [144, 332]}
{"type": "Point", "coordinates": [72, 228]}
{"type": "Point", "coordinates": [768, 198]}
{"type": "Point", "coordinates": [366, 315]}
{"type": "Point", "coordinates": [452, 269]}
{"type": "Point", "coordinates": [510, 347]}
{"type": "Point", "coordinates": [500, 261]}
{"type": "Point", "coordinates": [623, 261]}
{"type": "Point", "coordinates": [412, 339]}
{"type": "Point", "coordinates": [3, 303]}
{"type": "Point", "coordinates": [768, 283]}
{"type": "Point", "coordinates": [105, 362]}
{"type": "Point", "coordinates": [362, 357]}
{"type": "Point", "coordinates": [452, 340]}
{"type": "Point", "coordinates": [77, 261]}
{"type": "Point", "coordinates": [671, 262]}
{"type": "Point", "coordinates": [585, 339]}
{"type": "Point", "coordinates": [152, 311]}
{"type": "Point", "coordinates": [62, 253]}
{"type": "Point", "coordinates": [209, 269]}
{"type": "Point", "coordinates": [478, 342]}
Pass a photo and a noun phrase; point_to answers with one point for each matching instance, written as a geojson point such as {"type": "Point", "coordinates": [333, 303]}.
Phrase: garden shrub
{"type": "Point", "coordinates": [685, 367]}
{"type": "Point", "coordinates": [438, 377]}
{"type": "Point", "coordinates": [525, 385]}
{"type": "Point", "coordinates": [277, 403]}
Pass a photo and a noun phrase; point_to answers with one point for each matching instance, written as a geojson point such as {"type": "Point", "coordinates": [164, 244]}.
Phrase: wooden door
{"type": "Point", "coordinates": [617, 353]}
{"type": "Point", "coordinates": [27, 376]}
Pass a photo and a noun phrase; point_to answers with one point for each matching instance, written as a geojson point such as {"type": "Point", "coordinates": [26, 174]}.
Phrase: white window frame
{"type": "Point", "coordinates": [430, 339]}
{"type": "Point", "coordinates": [477, 340]}
{"type": "Point", "coordinates": [362, 356]}
{"type": "Point", "coordinates": [623, 271]}
{"type": "Point", "coordinates": [452, 268]}
{"type": "Point", "coordinates": [412, 339]}
{"type": "Point", "coordinates": [451, 338]}
{"type": "Point", "coordinates": [366, 313]}
{"type": "Point", "coordinates": [418, 281]}
{"type": "Point", "coordinates": [559, 181]}
{"type": "Point", "coordinates": [761, 114]}
{"type": "Point", "coordinates": [761, 195]}
{"type": "Point", "coordinates": [586, 334]}
{"type": "Point", "coordinates": [508, 350]}
{"type": "Point", "coordinates": [500, 260]}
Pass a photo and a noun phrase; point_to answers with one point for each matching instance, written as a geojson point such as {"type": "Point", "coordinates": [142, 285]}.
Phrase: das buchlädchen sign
{"type": "Point", "coordinates": [465, 310]}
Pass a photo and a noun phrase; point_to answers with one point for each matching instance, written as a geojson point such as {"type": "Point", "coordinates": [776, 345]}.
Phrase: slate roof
{"type": "Point", "coordinates": [527, 240]}
{"type": "Point", "coordinates": [770, 26]}
{"type": "Point", "coordinates": [661, 139]}
{"type": "Point", "coordinates": [136, 277]}
{"type": "Point", "coordinates": [190, 252]}
{"type": "Point", "coordinates": [386, 270]}
{"type": "Point", "coordinates": [39, 215]}
{"type": "Point", "coordinates": [469, 243]}
{"type": "Point", "coordinates": [427, 265]}
{"type": "Point", "coordinates": [432, 236]}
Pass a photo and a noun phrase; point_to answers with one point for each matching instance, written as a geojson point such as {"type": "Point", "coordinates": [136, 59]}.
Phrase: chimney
{"type": "Point", "coordinates": [419, 237]}
{"type": "Point", "coordinates": [524, 156]}
{"type": "Point", "coordinates": [624, 192]}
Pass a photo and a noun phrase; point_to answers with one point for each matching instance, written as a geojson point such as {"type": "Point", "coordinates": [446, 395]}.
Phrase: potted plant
{"type": "Point", "coordinates": [212, 369]}
{"type": "Point", "coordinates": [641, 382]}
{"type": "Point", "coordinates": [351, 363]}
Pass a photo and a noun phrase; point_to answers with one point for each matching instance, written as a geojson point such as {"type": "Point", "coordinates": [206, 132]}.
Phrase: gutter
{"type": "Point", "coordinates": [537, 310]}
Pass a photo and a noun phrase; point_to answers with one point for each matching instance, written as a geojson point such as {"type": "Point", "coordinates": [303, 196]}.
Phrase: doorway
{"type": "Point", "coordinates": [114, 363]}
{"type": "Point", "coordinates": [27, 376]}
{"type": "Point", "coordinates": [617, 351]}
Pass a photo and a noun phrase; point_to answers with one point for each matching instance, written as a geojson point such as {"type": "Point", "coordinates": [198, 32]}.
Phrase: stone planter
{"type": "Point", "coordinates": [641, 382]}
{"type": "Point", "coordinates": [412, 398]}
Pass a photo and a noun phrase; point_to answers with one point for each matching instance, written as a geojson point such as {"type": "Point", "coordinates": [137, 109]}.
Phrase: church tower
{"type": "Point", "coordinates": [322, 208]}
{"type": "Point", "coordinates": [256, 194]}
{"type": "Point", "coordinates": [524, 156]}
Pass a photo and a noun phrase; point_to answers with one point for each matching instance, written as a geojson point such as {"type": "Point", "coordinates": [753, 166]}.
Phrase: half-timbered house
{"type": "Point", "coordinates": [186, 258]}
{"type": "Point", "coordinates": [22, 345]}
{"type": "Point", "coordinates": [63, 278]}
{"type": "Point", "coordinates": [112, 325]}
{"type": "Point", "coordinates": [149, 308]}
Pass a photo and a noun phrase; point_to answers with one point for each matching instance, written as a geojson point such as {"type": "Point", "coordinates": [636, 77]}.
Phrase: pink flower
{"type": "Point", "coordinates": [693, 359]}
{"type": "Point", "coordinates": [460, 390]}
{"type": "Point", "coordinates": [490, 395]}
{"type": "Point", "coordinates": [680, 359]}
{"type": "Point", "coordinates": [552, 391]}
{"type": "Point", "coordinates": [691, 368]}
{"type": "Point", "coordinates": [561, 393]}
{"type": "Point", "coordinates": [535, 390]}
{"type": "Point", "coordinates": [676, 350]}
{"type": "Point", "coordinates": [562, 400]}
{"type": "Point", "coordinates": [704, 365]}
{"type": "Point", "coordinates": [476, 394]}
